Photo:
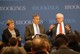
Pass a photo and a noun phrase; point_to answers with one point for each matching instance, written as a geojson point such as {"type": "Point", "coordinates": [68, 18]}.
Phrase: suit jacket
{"type": "Point", "coordinates": [29, 32]}
{"type": "Point", "coordinates": [64, 51]}
{"type": "Point", "coordinates": [52, 33]}
{"type": "Point", "coordinates": [7, 35]}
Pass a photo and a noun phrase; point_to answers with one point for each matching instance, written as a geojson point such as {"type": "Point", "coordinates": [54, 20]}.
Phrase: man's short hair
{"type": "Point", "coordinates": [1, 45]}
{"type": "Point", "coordinates": [60, 14]}
{"type": "Point", "coordinates": [62, 36]}
{"type": "Point", "coordinates": [37, 44]}
{"type": "Point", "coordinates": [60, 39]}
{"type": "Point", "coordinates": [13, 41]}
{"type": "Point", "coordinates": [35, 15]}
{"type": "Point", "coordinates": [28, 46]}
{"type": "Point", "coordinates": [13, 50]}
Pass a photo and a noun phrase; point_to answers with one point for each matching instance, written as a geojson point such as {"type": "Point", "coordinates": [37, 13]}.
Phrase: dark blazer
{"type": "Point", "coordinates": [52, 33]}
{"type": "Point", "coordinates": [64, 51]}
{"type": "Point", "coordinates": [29, 32]}
{"type": "Point", "coordinates": [7, 35]}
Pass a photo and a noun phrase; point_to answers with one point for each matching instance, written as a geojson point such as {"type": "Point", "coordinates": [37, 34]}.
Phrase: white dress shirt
{"type": "Point", "coordinates": [63, 30]}
{"type": "Point", "coordinates": [36, 30]}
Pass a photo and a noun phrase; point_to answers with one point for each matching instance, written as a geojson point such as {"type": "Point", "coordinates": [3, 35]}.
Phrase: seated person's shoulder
{"type": "Point", "coordinates": [29, 25]}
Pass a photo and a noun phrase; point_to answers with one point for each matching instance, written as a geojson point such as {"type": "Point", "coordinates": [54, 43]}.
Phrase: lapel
{"type": "Point", "coordinates": [65, 28]}
{"type": "Point", "coordinates": [32, 29]}
{"type": "Point", "coordinates": [55, 28]}
{"type": "Point", "coordinates": [16, 32]}
{"type": "Point", "coordinates": [9, 33]}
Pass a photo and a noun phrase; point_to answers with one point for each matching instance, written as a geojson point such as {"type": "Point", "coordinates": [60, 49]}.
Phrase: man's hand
{"type": "Point", "coordinates": [67, 27]}
{"type": "Point", "coordinates": [51, 26]}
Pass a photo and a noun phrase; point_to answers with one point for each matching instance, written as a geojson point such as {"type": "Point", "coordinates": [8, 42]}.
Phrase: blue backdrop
{"type": "Point", "coordinates": [21, 12]}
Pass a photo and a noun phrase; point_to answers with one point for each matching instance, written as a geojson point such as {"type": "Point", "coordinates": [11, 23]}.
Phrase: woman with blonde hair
{"type": "Point", "coordinates": [9, 32]}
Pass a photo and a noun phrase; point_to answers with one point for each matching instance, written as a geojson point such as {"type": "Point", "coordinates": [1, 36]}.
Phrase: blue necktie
{"type": "Point", "coordinates": [37, 29]}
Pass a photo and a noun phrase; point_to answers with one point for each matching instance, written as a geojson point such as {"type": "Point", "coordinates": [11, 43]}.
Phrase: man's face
{"type": "Point", "coordinates": [11, 26]}
{"type": "Point", "coordinates": [36, 20]}
{"type": "Point", "coordinates": [59, 19]}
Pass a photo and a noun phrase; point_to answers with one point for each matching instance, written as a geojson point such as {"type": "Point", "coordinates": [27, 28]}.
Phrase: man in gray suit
{"type": "Point", "coordinates": [34, 28]}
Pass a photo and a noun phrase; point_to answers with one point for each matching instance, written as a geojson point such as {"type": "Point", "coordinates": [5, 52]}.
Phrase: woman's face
{"type": "Point", "coordinates": [11, 26]}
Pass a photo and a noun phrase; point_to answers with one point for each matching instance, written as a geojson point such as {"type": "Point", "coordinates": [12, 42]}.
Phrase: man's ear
{"type": "Point", "coordinates": [67, 44]}
{"type": "Point", "coordinates": [32, 51]}
{"type": "Point", "coordinates": [17, 43]}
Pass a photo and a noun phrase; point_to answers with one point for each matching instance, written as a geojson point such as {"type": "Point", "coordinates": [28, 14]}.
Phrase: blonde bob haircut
{"type": "Point", "coordinates": [9, 21]}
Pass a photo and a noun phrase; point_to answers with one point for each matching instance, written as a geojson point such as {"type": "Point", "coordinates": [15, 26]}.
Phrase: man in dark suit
{"type": "Point", "coordinates": [9, 32]}
{"type": "Point", "coordinates": [59, 27]}
{"type": "Point", "coordinates": [34, 28]}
